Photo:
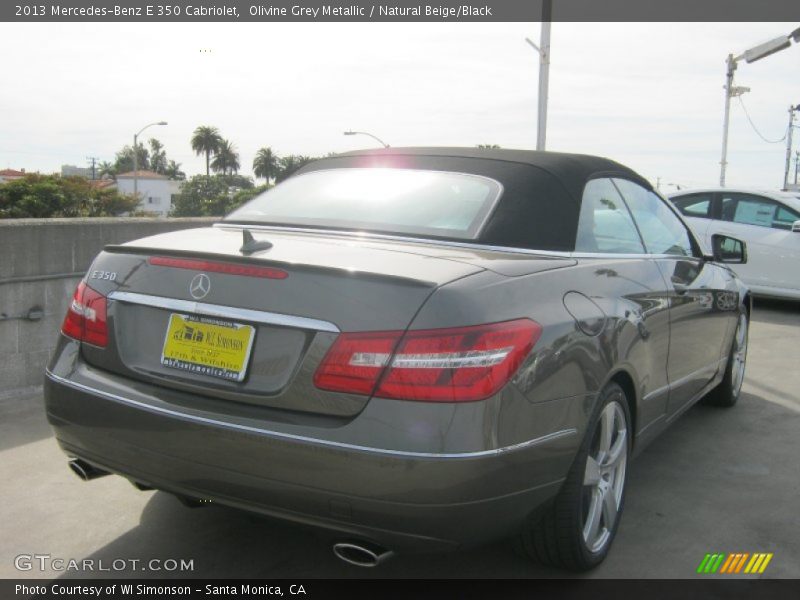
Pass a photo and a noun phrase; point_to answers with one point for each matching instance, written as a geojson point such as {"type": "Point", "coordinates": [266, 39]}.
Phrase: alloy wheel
{"type": "Point", "coordinates": [604, 478]}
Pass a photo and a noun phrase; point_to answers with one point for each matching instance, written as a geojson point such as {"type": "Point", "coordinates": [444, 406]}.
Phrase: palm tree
{"type": "Point", "coordinates": [290, 164]}
{"type": "Point", "coordinates": [266, 164]}
{"type": "Point", "coordinates": [106, 170]}
{"type": "Point", "coordinates": [206, 140]}
{"type": "Point", "coordinates": [226, 159]}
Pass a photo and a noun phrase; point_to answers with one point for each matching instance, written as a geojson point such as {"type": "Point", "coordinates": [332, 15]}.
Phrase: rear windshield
{"type": "Point", "coordinates": [400, 201]}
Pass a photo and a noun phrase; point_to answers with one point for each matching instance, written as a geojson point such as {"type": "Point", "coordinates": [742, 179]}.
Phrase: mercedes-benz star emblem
{"type": "Point", "coordinates": [200, 286]}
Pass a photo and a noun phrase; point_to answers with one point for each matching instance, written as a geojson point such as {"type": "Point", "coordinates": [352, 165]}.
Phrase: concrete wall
{"type": "Point", "coordinates": [41, 262]}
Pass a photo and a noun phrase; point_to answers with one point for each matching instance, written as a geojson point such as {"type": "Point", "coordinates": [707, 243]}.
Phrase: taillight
{"type": "Point", "coordinates": [86, 317]}
{"type": "Point", "coordinates": [434, 365]}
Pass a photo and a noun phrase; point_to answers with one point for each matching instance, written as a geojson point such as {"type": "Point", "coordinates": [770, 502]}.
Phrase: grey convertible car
{"type": "Point", "coordinates": [414, 348]}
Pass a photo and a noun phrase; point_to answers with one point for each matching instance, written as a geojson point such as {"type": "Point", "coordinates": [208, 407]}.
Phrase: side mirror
{"type": "Point", "coordinates": [796, 227]}
{"type": "Point", "coordinates": [728, 250]}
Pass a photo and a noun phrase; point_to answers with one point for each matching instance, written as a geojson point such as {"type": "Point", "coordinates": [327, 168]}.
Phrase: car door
{"type": "Point", "coordinates": [701, 306]}
{"type": "Point", "coordinates": [773, 250]}
{"type": "Point", "coordinates": [627, 281]}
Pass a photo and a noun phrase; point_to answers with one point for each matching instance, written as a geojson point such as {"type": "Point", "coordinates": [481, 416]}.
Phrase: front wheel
{"type": "Point", "coordinates": [576, 532]}
{"type": "Point", "coordinates": [727, 392]}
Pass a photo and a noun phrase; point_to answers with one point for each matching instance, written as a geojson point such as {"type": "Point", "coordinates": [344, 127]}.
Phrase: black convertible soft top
{"type": "Point", "coordinates": [542, 191]}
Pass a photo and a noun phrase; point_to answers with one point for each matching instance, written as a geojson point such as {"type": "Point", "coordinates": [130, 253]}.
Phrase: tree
{"type": "Point", "coordinates": [226, 159]}
{"type": "Point", "coordinates": [173, 171]}
{"type": "Point", "coordinates": [213, 195]}
{"type": "Point", "coordinates": [240, 182]}
{"type": "Point", "coordinates": [206, 140]}
{"type": "Point", "coordinates": [245, 195]}
{"type": "Point", "coordinates": [45, 196]}
{"type": "Point", "coordinates": [158, 158]}
{"type": "Point", "coordinates": [124, 159]}
{"type": "Point", "coordinates": [290, 164]}
{"type": "Point", "coordinates": [266, 164]}
{"type": "Point", "coordinates": [106, 170]}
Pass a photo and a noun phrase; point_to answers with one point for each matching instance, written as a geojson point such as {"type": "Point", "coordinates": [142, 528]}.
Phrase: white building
{"type": "Point", "coordinates": [156, 191]}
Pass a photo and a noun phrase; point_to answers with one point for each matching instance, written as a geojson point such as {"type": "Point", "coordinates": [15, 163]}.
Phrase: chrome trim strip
{"type": "Point", "coordinates": [301, 438]}
{"type": "Point", "coordinates": [370, 236]}
{"type": "Point", "coordinates": [227, 312]}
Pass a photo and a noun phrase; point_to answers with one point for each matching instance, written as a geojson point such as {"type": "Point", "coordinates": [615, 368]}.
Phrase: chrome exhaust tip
{"type": "Point", "coordinates": [361, 554]}
{"type": "Point", "coordinates": [86, 471]}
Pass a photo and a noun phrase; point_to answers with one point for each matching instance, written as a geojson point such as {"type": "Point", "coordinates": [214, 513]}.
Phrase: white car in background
{"type": "Point", "coordinates": [769, 222]}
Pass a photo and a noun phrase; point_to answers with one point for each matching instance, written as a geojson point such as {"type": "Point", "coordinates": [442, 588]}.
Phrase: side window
{"type": "Point", "coordinates": [694, 205]}
{"type": "Point", "coordinates": [784, 218]}
{"type": "Point", "coordinates": [752, 210]}
{"type": "Point", "coordinates": [605, 225]}
{"type": "Point", "coordinates": [662, 231]}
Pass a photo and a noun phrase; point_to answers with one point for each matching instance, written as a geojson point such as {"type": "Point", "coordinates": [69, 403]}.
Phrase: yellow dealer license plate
{"type": "Point", "coordinates": [208, 346]}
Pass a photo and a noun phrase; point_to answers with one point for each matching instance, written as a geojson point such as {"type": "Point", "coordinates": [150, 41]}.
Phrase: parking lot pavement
{"type": "Point", "coordinates": [717, 481]}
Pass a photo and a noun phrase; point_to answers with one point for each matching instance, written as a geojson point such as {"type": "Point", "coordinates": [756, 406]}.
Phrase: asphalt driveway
{"type": "Point", "coordinates": [717, 481]}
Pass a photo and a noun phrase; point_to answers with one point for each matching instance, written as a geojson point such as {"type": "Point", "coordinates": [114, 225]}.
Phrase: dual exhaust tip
{"type": "Point", "coordinates": [360, 554]}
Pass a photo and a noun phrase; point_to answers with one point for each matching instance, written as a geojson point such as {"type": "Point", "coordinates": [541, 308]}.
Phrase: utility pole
{"type": "Point", "coordinates": [93, 160]}
{"type": "Point", "coordinates": [544, 72]}
{"type": "Point", "coordinates": [792, 110]}
{"type": "Point", "coordinates": [796, 165]}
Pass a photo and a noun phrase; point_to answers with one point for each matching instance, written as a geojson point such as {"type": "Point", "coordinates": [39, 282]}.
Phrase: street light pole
{"type": "Point", "coordinates": [792, 110]}
{"type": "Point", "coordinates": [374, 137]}
{"type": "Point", "coordinates": [136, 157]}
{"type": "Point", "coordinates": [752, 55]}
{"type": "Point", "coordinates": [731, 62]}
{"type": "Point", "coordinates": [544, 73]}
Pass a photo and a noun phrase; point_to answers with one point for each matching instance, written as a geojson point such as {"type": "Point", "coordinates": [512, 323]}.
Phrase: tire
{"type": "Point", "coordinates": [563, 536]}
{"type": "Point", "coordinates": [726, 394]}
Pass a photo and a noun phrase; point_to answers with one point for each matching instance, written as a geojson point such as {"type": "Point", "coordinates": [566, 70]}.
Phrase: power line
{"type": "Point", "coordinates": [753, 125]}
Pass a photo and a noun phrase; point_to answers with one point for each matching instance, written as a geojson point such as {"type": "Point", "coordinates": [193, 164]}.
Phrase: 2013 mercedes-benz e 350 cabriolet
{"type": "Point", "coordinates": [415, 348]}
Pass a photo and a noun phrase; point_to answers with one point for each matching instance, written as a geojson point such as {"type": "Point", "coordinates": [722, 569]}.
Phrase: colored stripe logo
{"type": "Point", "coordinates": [735, 563]}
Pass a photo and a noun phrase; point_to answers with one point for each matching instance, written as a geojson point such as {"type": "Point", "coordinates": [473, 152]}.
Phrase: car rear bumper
{"type": "Point", "coordinates": [395, 498]}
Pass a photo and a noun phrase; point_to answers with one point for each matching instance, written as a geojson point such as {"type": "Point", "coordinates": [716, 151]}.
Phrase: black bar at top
{"type": "Point", "coordinates": [397, 10]}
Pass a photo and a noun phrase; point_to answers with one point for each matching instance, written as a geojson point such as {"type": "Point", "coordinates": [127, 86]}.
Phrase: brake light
{"type": "Point", "coordinates": [86, 317]}
{"type": "Point", "coordinates": [436, 365]}
{"type": "Point", "coordinates": [218, 267]}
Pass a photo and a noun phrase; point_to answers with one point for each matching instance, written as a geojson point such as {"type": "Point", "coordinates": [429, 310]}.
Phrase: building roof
{"type": "Point", "coordinates": [101, 183]}
{"type": "Point", "coordinates": [12, 173]}
{"type": "Point", "coordinates": [141, 174]}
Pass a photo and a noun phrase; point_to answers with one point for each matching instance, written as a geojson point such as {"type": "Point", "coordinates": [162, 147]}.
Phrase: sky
{"type": "Point", "coordinates": [648, 95]}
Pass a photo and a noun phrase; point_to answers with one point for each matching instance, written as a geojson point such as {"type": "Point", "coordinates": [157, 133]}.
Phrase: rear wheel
{"type": "Point", "coordinates": [727, 392]}
{"type": "Point", "coordinates": [576, 531]}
